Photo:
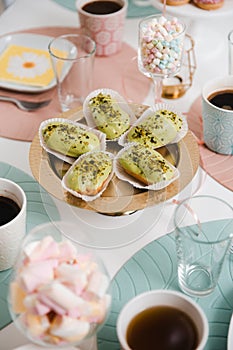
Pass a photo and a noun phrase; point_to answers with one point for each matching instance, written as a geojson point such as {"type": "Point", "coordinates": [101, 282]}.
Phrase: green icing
{"type": "Point", "coordinates": [147, 163]}
{"type": "Point", "coordinates": [89, 173]}
{"type": "Point", "coordinates": [70, 140]}
{"type": "Point", "coordinates": [109, 117]}
{"type": "Point", "coordinates": [157, 130]}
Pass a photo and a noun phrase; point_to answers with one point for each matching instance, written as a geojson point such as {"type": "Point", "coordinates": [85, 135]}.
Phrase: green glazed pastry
{"type": "Point", "coordinates": [69, 139]}
{"type": "Point", "coordinates": [108, 116]}
{"type": "Point", "coordinates": [157, 130]}
{"type": "Point", "coordinates": [145, 164]}
{"type": "Point", "coordinates": [90, 174]}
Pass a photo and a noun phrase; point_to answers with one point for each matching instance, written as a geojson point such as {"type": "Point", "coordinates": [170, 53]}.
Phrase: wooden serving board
{"type": "Point", "coordinates": [120, 197]}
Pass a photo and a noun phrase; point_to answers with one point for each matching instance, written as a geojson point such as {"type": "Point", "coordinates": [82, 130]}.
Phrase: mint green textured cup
{"type": "Point", "coordinates": [217, 122]}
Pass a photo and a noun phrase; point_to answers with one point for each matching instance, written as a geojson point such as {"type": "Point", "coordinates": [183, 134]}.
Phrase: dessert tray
{"type": "Point", "coordinates": [120, 197]}
{"type": "Point", "coordinates": [191, 11]}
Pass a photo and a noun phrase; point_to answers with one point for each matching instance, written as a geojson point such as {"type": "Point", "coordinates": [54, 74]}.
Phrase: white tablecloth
{"type": "Point", "coordinates": [211, 51]}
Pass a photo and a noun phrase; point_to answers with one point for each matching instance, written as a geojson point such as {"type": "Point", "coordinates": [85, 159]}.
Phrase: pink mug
{"type": "Point", "coordinates": [103, 21]}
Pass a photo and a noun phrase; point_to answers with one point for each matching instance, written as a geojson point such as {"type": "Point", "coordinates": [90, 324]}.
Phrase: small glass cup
{"type": "Point", "coordinates": [160, 49]}
{"type": "Point", "coordinates": [72, 57]}
{"type": "Point", "coordinates": [59, 295]}
{"type": "Point", "coordinates": [204, 232]}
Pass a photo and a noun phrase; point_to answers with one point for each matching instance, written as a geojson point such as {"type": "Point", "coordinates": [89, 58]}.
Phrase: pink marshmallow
{"type": "Point", "coordinates": [34, 275]}
{"type": "Point", "coordinates": [67, 251]}
{"type": "Point", "coordinates": [72, 276]}
{"type": "Point", "coordinates": [42, 250]}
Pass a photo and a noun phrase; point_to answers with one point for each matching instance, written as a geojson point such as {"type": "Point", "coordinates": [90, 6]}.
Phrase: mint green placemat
{"type": "Point", "coordinates": [155, 267]}
{"type": "Point", "coordinates": [40, 209]}
{"type": "Point", "coordinates": [133, 10]}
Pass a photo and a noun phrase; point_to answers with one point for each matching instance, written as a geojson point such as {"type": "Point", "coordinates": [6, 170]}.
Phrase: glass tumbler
{"type": "Point", "coordinates": [72, 58]}
{"type": "Point", "coordinates": [204, 231]}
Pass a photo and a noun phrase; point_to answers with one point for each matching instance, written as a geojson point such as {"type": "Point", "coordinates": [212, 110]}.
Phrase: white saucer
{"type": "Point", "coordinates": [29, 40]}
{"type": "Point", "coordinates": [192, 11]}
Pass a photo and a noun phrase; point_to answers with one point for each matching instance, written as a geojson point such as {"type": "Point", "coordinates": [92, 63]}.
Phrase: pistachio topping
{"type": "Point", "coordinates": [90, 172]}
{"type": "Point", "coordinates": [69, 139]}
{"type": "Point", "coordinates": [109, 117]}
{"type": "Point", "coordinates": [146, 163]}
{"type": "Point", "coordinates": [157, 130]}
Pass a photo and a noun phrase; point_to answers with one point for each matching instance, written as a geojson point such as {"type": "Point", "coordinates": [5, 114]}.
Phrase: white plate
{"type": "Point", "coordinates": [230, 335]}
{"type": "Point", "coordinates": [191, 11]}
{"type": "Point", "coordinates": [29, 40]}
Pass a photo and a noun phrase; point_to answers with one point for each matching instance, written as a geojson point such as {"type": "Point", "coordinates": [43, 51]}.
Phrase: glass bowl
{"type": "Point", "coordinates": [59, 294]}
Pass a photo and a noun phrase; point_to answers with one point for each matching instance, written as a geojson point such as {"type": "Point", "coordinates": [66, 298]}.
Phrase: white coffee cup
{"type": "Point", "coordinates": [162, 298]}
{"type": "Point", "coordinates": [12, 232]}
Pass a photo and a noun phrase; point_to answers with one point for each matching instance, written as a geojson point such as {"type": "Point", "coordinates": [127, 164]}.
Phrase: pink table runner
{"type": "Point", "coordinates": [218, 166]}
{"type": "Point", "coordinates": [118, 72]}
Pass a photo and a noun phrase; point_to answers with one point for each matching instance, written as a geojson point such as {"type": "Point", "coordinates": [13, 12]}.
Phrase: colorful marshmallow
{"type": "Point", "coordinates": [161, 45]}
{"type": "Point", "coordinates": [58, 294]}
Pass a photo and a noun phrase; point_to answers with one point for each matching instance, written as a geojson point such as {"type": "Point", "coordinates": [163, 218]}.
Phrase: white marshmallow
{"type": "Point", "coordinates": [72, 275]}
{"type": "Point", "coordinates": [60, 295]}
{"type": "Point", "coordinates": [69, 329]}
{"type": "Point", "coordinates": [98, 283]}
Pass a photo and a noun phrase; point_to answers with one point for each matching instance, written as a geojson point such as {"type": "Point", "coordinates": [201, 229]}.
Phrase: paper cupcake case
{"type": "Point", "coordinates": [101, 136]}
{"type": "Point", "coordinates": [151, 110]}
{"type": "Point", "coordinates": [122, 175]}
{"type": "Point", "coordinates": [116, 96]}
{"type": "Point", "coordinates": [79, 195]}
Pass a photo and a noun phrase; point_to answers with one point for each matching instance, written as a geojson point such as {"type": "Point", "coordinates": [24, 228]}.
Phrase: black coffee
{"type": "Point", "coordinates": [8, 210]}
{"type": "Point", "coordinates": [163, 328]}
{"type": "Point", "coordinates": [222, 99]}
{"type": "Point", "coordinates": [101, 7]}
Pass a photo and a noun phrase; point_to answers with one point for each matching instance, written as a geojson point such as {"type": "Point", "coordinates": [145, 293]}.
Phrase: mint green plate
{"type": "Point", "coordinates": [40, 209]}
{"type": "Point", "coordinates": [155, 267]}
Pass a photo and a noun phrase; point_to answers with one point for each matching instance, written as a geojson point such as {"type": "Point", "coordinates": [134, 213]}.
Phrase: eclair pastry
{"type": "Point", "coordinates": [157, 130]}
{"type": "Point", "coordinates": [108, 116]}
{"type": "Point", "coordinates": [145, 164]}
{"type": "Point", "coordinates": [89, 175]}
{"type": "Point", "coordinates": [69, 139]}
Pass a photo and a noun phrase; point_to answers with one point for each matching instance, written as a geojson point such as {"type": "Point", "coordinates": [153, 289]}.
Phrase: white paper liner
{"type": "Point", "coordinates": [101, 136]}
{"type": "Point", "coordinates": [115, 95]}
{"type": "Point", "coordinates": [79, 195]}
{"type": "Point", "coordinates": [122, 175]}
{"type": "Point", "coordinates": [123, 139]}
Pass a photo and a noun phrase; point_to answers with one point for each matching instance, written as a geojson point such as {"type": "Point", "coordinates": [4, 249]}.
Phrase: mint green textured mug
{"type": "Point", "coordinates": [217, 114]}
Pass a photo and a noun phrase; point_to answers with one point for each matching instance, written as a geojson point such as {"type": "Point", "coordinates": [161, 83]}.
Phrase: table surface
{"type": "Point", "coordinates": [211, 53]}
